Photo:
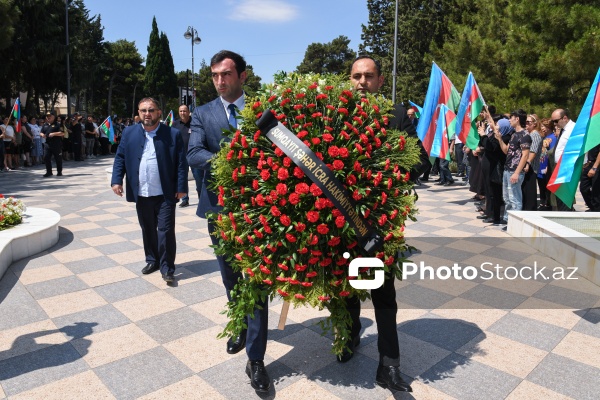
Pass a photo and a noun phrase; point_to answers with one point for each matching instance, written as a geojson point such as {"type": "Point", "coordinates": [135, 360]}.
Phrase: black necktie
{"type": "Point", "coordinates": [232, 120]}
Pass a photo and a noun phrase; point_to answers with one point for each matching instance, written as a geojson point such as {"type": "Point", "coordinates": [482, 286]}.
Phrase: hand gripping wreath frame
{"type": "Point", "coordinates": [324, 178]}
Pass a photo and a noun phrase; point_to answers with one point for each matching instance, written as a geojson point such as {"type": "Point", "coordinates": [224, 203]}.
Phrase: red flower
{"type": "Point", "coordinates": [344, 293]}
{"type": "Point", "coordinates": [334, 241]}
{"type": "Point", "coordinates": [265, 174]}
{"type": "Point", "coordinates": [324, 298]}
{"type": "Point", "coordinates": [282, 174]}
{"type": "Point", "coordinates": [302, 188]}
{"type": "Point", "coordinates": [299, 296]}
{"type": "Point", "coordinates": [268, 282]}
{"type": "Point", "coordinates": [249, 272]}
{"type": "Point", "coordinates": [333, 151]}
{"type": "Point", "coordinates": [300, 95]}
{"type": "Point", "coordinates": [306, 284]}
{"type": "Point", "coordinates": [338, 165]}
{"type": "Point", "coordinates": [282, 293]}
{"type": "Point", "coordinates": [300, 227]}
{"type": "Point", "coordinates": [343, 99]}
{"type": "Point", "coordinates": [314, 189]}
{"type": "Point", "coordinates": [275, 211]}
{"type": "Point", "coordinates": [302, 134]}
{"type": "Point", "coordinates": [322, 229]}
{"type": "Point", "coordinates": [321, 96]}
{"type": "Point", "coordinates": [315, 141]}
{"type": "Point", "coordinates": [313, 240]}
{"type": "Point", "coordinates": [312, 216]}
{"type": "Point", "coordinates": [294, 198]}
{"type": "Point", "coordinates": [290, 238]}
{"type": "Point", "coordinates": [311, 274]}
{"type": "Point", "coordinates": [351, 180]}
{"type": "Point", "coordinates": [260, 200]}
{"type": "Point", "coordinates": [327, 137]}
{"type": "Point", "coordinates": [283, 266]}
{"type": "Point", "coordinates": [356, 196]}
{"type": "Point", "coordinates": [285, 220]}
{"type": "Point", "coordinates": [298, 173]}
{"type": "Point", "coordinates": [281, 189]}
{"type": "Point", "coordinates": [344, 152]}
{"type": "Point", "coordinates": [382, 220]}
{"type": "Point", "coordinates": [300, 267]}
{"type": "Point", "coordinates": [313, 86]}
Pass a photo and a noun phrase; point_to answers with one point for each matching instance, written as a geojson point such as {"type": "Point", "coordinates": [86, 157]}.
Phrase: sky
{"type": "Point", "coordinates": [272, 35]}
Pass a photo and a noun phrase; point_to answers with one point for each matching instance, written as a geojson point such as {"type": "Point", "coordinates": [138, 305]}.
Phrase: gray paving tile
{"type": "Point", "coordinates": [421, 297]}
{"type": "Point", "coordinates": [449, 334]}
{"type": "Point", "coordinates": [275, 333]}
{"type": "Point", "coordinates": [142, 373]}
{"type": "Point", "coordinates": [568, 297]}
{"type": "Point", "coordinates": [528, 331]}
{"type": "Point", "coordinates": [500, 253]}
{"type": "Point", "coordinates": [91, 233]}
{"type": "Point", "coordinates": [590, 323]}
{"type": "Point", "coordinates": [451, 254]}
{"type": "Point", "coordinates": [86, 322]}
{"type": "Point", "coordinates": [55, 287]}
{"type": "Point", "coordinates": [494, 297]}
{"type": "Point", "coordinates": [206, 268]}
{"type": "Point", "coordinates": [17, 307]}
{"type": "Point", "coordinates": [115, 222]}
{"type": "Point", "coordinates": [40, 367]}
{"type": "Point", "coordinates": [466, 379]}
{"type": "Point", "coordinates": [196, 292]}
{"type": "Point", "coordinates": [190, 235]}
{"type": "Point", "coordinates": [91, 264]}
{"type": "Point", "coordinates": [125, 289]}
{"type": "Point", "coordinates": [174, 324]}
{"type": "Point", "coordinates": [43, 259]}
{"type": "Point", "coordinates": [119, 247]}
{"type": "Point", "coordinates": [352, 380]}
{"type": "Point", "coordinates": [566, 376]}
{"type": "Point", "coordinates": [310, 353]}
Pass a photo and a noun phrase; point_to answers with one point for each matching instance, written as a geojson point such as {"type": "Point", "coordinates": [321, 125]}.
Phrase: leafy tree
{"type": "Point", "coordinates": [160, 80]}
{"type": "Point", "coordinates": [124, 65]}
{"type": "Point", "coordinates": [334, 57]}
{"type": "Point", "coordinates": [8, 27]}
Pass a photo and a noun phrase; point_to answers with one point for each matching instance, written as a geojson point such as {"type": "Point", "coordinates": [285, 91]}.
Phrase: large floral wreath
{"type": "Point", "coordinates": [277, 226]}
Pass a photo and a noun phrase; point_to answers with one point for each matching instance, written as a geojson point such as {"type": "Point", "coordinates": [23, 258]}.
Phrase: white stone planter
{"type": "Point", "coordinates": [37, 232]}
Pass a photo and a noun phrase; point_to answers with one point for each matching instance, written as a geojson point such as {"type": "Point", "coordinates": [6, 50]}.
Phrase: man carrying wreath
{"type": "Point", "coordinates": [208, 122]}
{"type": "Point", "coordinates": [366, 77]}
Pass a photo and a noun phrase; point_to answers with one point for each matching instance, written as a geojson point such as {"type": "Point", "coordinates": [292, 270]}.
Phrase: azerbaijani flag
{"type": "Point", "coordinates": [418, 109]}
{"type": "Point", "coordinates": [471, 105]}
{"type": "Point", "coordinates": [169, 120]}
{"type": "Point", "coordinates": [585, 136]}
{"type": "Point", "coordinates": [445, 129]}
{"type": "Point", "coordinates": [107, 127]}
{"type": "Point", "coordinates": [440, 91]}
{"type": "Point", "coordinates": [16, 114]}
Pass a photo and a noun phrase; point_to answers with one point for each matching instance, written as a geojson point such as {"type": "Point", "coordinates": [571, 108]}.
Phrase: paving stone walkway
{"type": "Point", "coordinates": [80, 321]}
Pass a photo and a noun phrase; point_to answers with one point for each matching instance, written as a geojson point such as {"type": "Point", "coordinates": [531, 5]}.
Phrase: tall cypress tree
{"type": "Point", "coordinates": [154, 61]}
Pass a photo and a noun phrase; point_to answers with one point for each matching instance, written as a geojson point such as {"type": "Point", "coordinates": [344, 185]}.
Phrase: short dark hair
{"type": "Point", "coordinates": [365, 56]}
{"type": "Point", "coordinates": [521, 114]}
{"type": "Point", "coordinates": [183, 104]}
{"type": "Point", "coordinates": [240, 63]}
{"type": "Point", "coordinates": [151, 99]}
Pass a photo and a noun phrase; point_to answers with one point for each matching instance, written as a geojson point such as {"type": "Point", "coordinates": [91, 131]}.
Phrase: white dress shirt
{"type": "Point", "coordinates": [239, 104]}
{"type": "Point", "coordinates": [560, 146]}
{"type": "Point", "coordinates": [149, 176]}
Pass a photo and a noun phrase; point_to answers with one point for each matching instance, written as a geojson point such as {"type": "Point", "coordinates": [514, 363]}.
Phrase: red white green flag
{"type": "Point", "coordinates": [16, 114]}
{"type": "Point", "coordinates": [107, 127]}
{"type": "Point", "coordinates": [471, 105]}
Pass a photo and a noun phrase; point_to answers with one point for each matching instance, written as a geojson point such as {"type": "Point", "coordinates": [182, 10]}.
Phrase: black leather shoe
{"type": "Point", "coordinates": [482, 216]}
{"type": "Point", "coordinates": [149, 268]}
{"type": "Point", "coordinates": [349, 352]}
{"type": "Point", "coordinates": [235, 345]}
{"type": "Point", "coordinates": [46, 175]}
{"type": "Point", "coordinates": [169, 278]}
{"type": "Point", "coordinates": [259, 378]}
{"type": "Point", "coordinates": [184, 203]}
{"type": "Point", "coordinates": [450, 183]}
{"type": "Point", "coordinates": [59, 174]}
{"type": "Point", "coordinates": [389, 377]}
{"type": "Point", "coordinates": [488, 221]}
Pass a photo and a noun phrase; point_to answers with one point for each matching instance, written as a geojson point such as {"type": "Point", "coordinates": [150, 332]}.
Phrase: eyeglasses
{"type": "Point", "coordinates": [555, 121]}
{"type": "Point", "coordinates": [150, 110]}
{"type": "Point", "coordinates": [529, 122]}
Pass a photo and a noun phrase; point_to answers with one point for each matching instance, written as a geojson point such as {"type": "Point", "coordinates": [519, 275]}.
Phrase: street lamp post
{"type": "Point", "coordinates": [394, 73]}
{"type": "Point", "coordinates": [192, 34]}
{"type": "Point", "coordinates": [67, 2]}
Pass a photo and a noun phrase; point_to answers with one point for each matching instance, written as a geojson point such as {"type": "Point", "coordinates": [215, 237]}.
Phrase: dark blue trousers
{"type": "Point", "coordinates": [157, 219]}
{"type": "Point", "coordinates": [256, 337]}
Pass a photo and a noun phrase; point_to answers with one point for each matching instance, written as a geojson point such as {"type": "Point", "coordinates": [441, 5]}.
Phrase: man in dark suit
{"type": "Point", "coordinates": [229, 74]}
{"type": "Point", "coordinates": [366, 78]}
{"type": "Point", "coordinates": [152, 156]}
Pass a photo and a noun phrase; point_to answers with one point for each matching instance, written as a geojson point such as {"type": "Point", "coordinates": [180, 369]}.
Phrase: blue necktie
{"type": "Point", "coordinates": [232, 120]}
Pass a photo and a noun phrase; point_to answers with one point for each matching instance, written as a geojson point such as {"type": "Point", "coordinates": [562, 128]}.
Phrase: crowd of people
{"type": "Point", "coordinates": [72, 138]}
{"type": "Point", "coordinates": [513, 162]}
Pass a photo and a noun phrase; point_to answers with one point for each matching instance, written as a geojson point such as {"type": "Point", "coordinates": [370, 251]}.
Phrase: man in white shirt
{"type": "Point", "coordinates": [561, 119]}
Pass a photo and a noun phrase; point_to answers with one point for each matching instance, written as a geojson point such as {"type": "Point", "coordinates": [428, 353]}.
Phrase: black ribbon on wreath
{"type": "Point", "coordinates": [322, 176]}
